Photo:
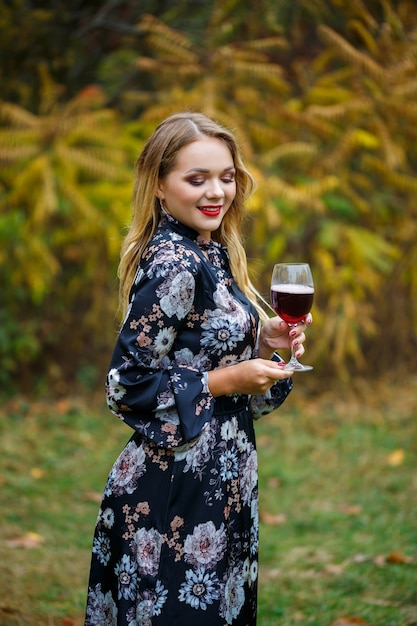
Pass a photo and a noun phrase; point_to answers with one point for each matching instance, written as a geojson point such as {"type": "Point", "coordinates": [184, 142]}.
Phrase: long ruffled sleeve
{"type": "Point", "coordinates": [263, 404]}
{"type": "Point", "coordinates": [156, 384]}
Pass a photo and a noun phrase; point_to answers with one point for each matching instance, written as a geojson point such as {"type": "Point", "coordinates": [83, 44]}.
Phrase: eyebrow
{"type": "Point", "coordinates": [205, 171]}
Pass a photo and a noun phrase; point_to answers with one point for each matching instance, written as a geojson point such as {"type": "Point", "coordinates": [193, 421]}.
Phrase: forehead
{"type": "Point", "coordinates": [205, 152]}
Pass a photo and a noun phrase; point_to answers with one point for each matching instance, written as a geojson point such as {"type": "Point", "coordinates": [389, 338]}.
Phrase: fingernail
{"type": "Point", "coordinates": [295, 343]}
{"type": "Point", "coordinates": [293, 333]}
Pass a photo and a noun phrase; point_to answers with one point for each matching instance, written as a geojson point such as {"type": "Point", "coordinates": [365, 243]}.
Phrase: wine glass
{"type": "Point", "coordinates": [292, 293]}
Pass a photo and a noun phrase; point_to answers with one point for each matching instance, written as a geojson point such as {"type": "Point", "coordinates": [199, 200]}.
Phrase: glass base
{"type": "Point", "coordinates": [298, 367]}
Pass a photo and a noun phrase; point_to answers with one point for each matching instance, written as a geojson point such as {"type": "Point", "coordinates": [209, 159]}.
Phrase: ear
{"type": "Point", "coordinates": [160, 192]}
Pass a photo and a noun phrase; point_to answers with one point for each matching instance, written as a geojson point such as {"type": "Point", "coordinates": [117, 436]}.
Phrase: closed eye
{"type": "Point", "coordinates": [196, 182]}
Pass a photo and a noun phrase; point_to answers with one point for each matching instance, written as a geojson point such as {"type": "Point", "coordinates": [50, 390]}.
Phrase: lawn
{"type": "Point", "coordinates": [338, 507]}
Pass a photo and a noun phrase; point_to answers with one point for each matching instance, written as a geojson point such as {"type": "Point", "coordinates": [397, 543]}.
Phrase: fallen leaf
{"type": "Point", "coordinates": [93, 496]}
{"type": "Point", "coordinates": [379, 602]}
{"type": "Point", "coordinates": [273, 520]}
{"type": "Point", "coordinates": [27, 541]}
{"type": "Point", "coordinates": [350, 509]}
{"type": "Point", "coordinates": [396, 458]}
{"type": "Point", "coordinates": [37, 473]}
{"type": "Point", "coordinates": [349, 620]}
{"type": "Point", "coordinates": [398, 557]}
{"type": "Point", "coordinates": [70, 621]}
{"type": "Point", "coordinates": [62, 406]}
{"type": "Point", "coordinates": [8, 610]}
{"type": "Point", "coordinates": [360, 558]}
{"type": "Point", "coordinates": [274, 482]}
{"type": "Point", "coordinates": [334, 569]}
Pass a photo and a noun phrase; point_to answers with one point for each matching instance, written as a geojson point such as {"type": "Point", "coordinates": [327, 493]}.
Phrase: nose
{"type": "Point", "coordinates": [215, 189]}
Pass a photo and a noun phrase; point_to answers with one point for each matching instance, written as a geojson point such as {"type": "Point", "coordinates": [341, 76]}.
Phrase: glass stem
{"type": "Point", "coordinates": [293, 359]}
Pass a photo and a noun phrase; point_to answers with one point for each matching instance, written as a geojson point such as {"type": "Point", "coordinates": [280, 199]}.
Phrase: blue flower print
{"type": "Point", "coordinates": [199, 589]}
{"type": "Point", "coordinates": [220, 334]}
{"type": "Point", "coordinates": [126, 571]}
{"type": "Point", "coordinates": [101, 547]}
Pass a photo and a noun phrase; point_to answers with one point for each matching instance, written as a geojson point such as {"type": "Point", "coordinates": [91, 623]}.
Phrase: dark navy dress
{"type": "Point", "coordinates": [176, 540]}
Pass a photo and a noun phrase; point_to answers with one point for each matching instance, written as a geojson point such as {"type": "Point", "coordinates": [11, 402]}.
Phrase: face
{"type": "Point", "coordinates": [201, 187]}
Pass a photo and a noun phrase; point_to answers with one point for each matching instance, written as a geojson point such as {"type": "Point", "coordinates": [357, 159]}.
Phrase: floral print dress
{"type": "Point", "coordinates": [176, 539]}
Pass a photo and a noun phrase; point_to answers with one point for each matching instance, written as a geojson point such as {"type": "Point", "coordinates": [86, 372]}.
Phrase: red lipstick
{"type": "Point", "coordinates": [210, 211]}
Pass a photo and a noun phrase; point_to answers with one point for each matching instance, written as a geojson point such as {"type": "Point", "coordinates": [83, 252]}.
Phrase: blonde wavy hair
{"type": "Point", "coordinates": [156, 161]}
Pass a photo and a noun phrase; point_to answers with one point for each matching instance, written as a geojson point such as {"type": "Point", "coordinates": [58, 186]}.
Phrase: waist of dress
{"type": "Point", "coordinates": [230, 404]}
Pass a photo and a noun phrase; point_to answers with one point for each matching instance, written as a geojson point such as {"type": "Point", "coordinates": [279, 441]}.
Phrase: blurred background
{"type": "Point", "coordinates": [322, 97]}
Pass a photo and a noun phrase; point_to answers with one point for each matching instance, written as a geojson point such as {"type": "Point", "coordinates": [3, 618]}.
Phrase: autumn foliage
{"type": "Point", "coordinates": [322, 97]}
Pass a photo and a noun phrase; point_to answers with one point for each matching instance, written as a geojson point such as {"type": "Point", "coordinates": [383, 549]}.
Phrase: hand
{"type": "Point", "coordinates": [277, 335]}
{"type": "Point", "coordinates": [255, 376]}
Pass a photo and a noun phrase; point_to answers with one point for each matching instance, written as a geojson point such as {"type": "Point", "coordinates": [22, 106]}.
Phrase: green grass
{"type": "Point", "coordinates": [338, 500]}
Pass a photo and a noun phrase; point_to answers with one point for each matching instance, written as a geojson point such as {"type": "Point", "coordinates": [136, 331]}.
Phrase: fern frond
{"type": "Point", "coordinates": [403, 109]}
{"type": "Point", "coordinates": [359, 28]}
{"type": "Point", "coordinates": [341, 152]}
{"type": "Point", "coordinates": [258, 69]}
{"type": "Point", "coordinates": [363, 13]}
{"type": "Point", "coordinates": [232, 54]}
{"type": "Point", "coordinates": [330, 78]}
{"type": "Point", "coordinates": [169, 49]}
{"type": "Point", "coordinates": [18, 137]}
{"type": "Point", "coordinates": [268, 43]}
{"type": "Point", "coordinates": [12, 154]}
{"type": "Point", "coordinates": [394, 154]}
{"type": "Point", "coordinates": [358, 201]}
{"type": "Point", "coordinates": [265, 134]}
{"type": "Point", "coordinates": [342, 110]}
{"type": "Point", "coordinates": [402, 70]}
{"type": "Point", "coordinates": [86, 159]}
{"type": "Point", "coordinates": [295, 149]}
{"type": "Point", "coordinates": [154, 26]}
{"type": "Point", "coordinates": [81, 203]}
{"type": "Point", "coordinates": [403, 182]}
{"type": "Point", "coordinates": [295, 195]}
{"type": "Point", "coordinates": [405, 90]}
{"type": "Point", "coordinates": [16, 115]}
{"type": "Point", "coordinates": [328, 95]}
{"type": "Point", "coordinates": [46, 201]}
{"type": "Point", "coordinates": [40, 274]}
{"type": "Point", "coordinates": [357, 58]}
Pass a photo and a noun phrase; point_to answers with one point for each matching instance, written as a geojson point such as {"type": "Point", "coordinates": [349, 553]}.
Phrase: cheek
{"type": "Point", "coordinates": [231, 193]}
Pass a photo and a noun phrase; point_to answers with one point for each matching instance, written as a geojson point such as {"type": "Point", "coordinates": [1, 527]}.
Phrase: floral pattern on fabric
{"type": "Point", "coordinates": [176, 539]}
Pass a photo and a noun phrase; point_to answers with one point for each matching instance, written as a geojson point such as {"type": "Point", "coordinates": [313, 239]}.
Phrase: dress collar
{"type": "Point", "coordinates": [187, 231]}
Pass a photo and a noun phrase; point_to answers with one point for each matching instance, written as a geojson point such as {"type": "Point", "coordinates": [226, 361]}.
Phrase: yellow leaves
{"type": "Point", "coordinates": [295, 150]}
{"type": "Point", "coordinates": [396, 457]}
{"type": "Point", "coordinates": [27, 541]}
{"type": "Point", "coordinates": [16, 115]}
{"type": "Point", "coordinates": [365, 139]}
{"type": "Point", "coordinates": [360, 59]}
{"type": "Point", "coordinates": [37, 473]}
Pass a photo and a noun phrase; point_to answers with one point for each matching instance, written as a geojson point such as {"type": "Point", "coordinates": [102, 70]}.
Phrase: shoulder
{"type": "Point", "coordinates": [168, 250]}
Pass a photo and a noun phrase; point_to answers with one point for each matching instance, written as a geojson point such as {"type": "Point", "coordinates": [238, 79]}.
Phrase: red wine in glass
{"type": "Point", "coordinates": [292, 294]}
{"type": "Point", "coordinates": [292, 302]}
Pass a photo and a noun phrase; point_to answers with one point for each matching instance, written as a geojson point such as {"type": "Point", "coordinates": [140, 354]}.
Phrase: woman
{"type": "Point", "coordinates": [176, 540]}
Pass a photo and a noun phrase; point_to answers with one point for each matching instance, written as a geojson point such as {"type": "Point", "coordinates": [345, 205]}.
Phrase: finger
{"type": "Point", "coordinates": [299, 338]}
{"type": "Point", "coordinates": [299, 351]}
{"type": "Point", "coordinates": [276, 324]}
{"type": "Point", "coordinates": [277, 371]}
